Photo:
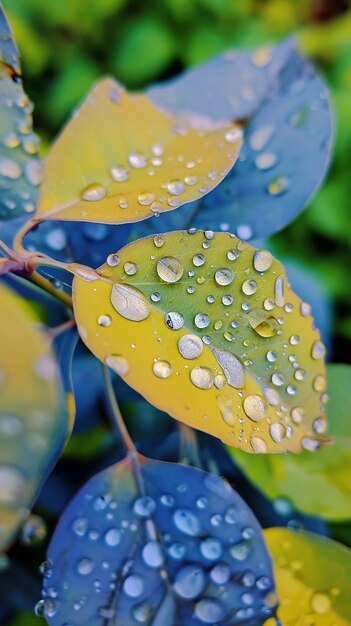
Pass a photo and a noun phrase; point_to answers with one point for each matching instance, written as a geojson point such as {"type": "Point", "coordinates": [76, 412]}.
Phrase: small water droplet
{"type": "Point", "coordinates": [187, 522]}
{"type": "Point", "coordinates": [136, 160]}
{"type": "Point", "coordinates": [119, 174]}
{"type": "Point", "coordinates": [158, 241]}
{"type": "Point", "coordinates": [104, 320]}
{"type": "Point", "coordinates": [211, 549]}
{"type": "Point", "coordinates": [277, 432]}
{"type": "Point", "coordinates": [112, 260]}
{"type": "Point", "coordinates": [93, 192]}
{"type": "Point", "coordinates": [201, 320]}
{"type": "Point", "coordinates": [266, 160]}
{"type": "Point", "coordinates": [278, 186]}
{"type": "Point", "coordinates": [113, 537]}
{"type": "Point", "coordinates": [152, 554]}
{"type": "Point", "coordinates": [255, 407]}
{"type": "Point", "coordinates": [318, 350]}
{"type": "Point", "coordinates": [209, 611]}
{"type": "Point", "coordinates": [174, 320]}
{"type": "Point", "coordinates": [249, 287]}
{"type": "Point", "coordinates": [162, 369]}
{"type": "Point", "coordinates": [146, 198]}
{"type": "Point", "coordinates": [258, 445]}
{"type": "Point", "coordinates": [199, 259]}
{"type": "Point", "coordinates": [175, 187]}
{"type": "Point", "coordinates": [85, 566]}
{"type": "Point", "coordinates": [144, 506]}
{"type": "Point", "coordinates": [320, 603]}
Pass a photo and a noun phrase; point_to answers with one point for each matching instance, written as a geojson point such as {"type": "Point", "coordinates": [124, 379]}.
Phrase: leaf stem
{"type": "Point", "coordinates": [117, 415]}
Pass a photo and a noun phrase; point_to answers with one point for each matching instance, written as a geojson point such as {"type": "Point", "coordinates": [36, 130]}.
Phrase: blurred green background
{"type": "Point", "coordinates": [67, 44]}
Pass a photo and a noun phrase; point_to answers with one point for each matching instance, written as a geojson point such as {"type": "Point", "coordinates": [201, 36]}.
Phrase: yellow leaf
{"type": "Point", "coordinates": [33, 421]}
{"type": "Point", "coordinates": [206, 328]}
{"type": "Point", "coordinates": [121, 159]}
{"type": "Point", "coordinates": [313, 576]}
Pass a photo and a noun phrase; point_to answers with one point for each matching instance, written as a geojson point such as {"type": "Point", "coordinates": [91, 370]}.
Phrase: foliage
{"type": "Point", "coordinates": [200, 322]}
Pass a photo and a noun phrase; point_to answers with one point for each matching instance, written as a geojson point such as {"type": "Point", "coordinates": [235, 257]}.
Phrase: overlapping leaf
{"type": "Point", "coordinates": [313, 578]}
{"type": "Point", "coordinates": [207, 329]}
{"type": "Point", "coordinates": [33, 421]}
{"type": "Point", "coordinates": [287, 139]}
{"type": "Point", "coordinates": [316, 484]}
{"type": "Point", "coordinates": [20, 169]}
{"type": "Point", "coordinates": [157, 543]}
{"type": "Point", "coordinates": [121, 159]}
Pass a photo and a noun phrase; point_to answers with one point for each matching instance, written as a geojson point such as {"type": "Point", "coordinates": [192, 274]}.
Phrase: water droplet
{"type": "Point", "coordinates": [162, 369]}
{"type": "Point", "coordinates": [155, 297]}
{"type": "Point", "coordinates": [209, 611]}
{"type": "Point", "coordinates": [113, 537]}
{"type": "Point", "coordinates": [175, 187]}
{"type": "Point", "coordinates": [199, 259]}
{"type": "Point", "coordinates": [9, 168]}
{"type": "Point", "coordinates": [258, 445]}
{"type": "Point", "coordinates": [320, 603]}
{"type": "Point", "coordinates": [80, 526]}
{"type": "Point", "coordinates": [255, 407]}
{"type": "Point", "coordinates": [278, 186]}
{"type": "Point", "coordinates": [320, 425]}
{"type": "Point", "coordinates": [174, 320]}
{"type": "Point", "coordinates": [190, 180]}
{"type": "Point", "coordinates": [211, 549]}
{"type": "Point", "coordinates": [318, 350]}
{"type": "Point", "coordinates": [112, 260]}
{"type": "Point", "coordinates": [201, 320]}
{"type": "Point", "coordinates": [224, 276]}
{"type": "Point", "coordinates": [104, 320]}
{"type": "Point", "coordinates": [158, 241]}
{"type": "Point", "coordinates": [278, 379]}
{"type": "Point", "coordinates": [233, 135]}
{"type": "Point", "coordinates": [260, 137]}
{"type": "Point", "coordinates": [119, 174]}
{"type": "Point", "coordinates": [319, 383]}
{"type": "Point", "coordinates": [220, 574]}
{"type": "Point", "coordinates": [232, 368]}
{"type": "Point", "coordinates": [34, 531]}
{"type": "Point", "coordinates": [130, 302]}
{"type": "Point", "coordinates": [262, 323]}
{"type": "Point", "coordinates": [266, 160]}
{"type": "Point", "coordinates": [277, 432]}
{"type": "Point", "coordinates": [136, 160]}
{"type": "Point", "coordinates": [232, 255]}
{"type": "Point", "coordinates": [39, 608]}
{"type": "Point", "coordinates": [13, 486]}
{"type": "Point", "coordinates": [144, 506]}
{"type": "Point", "coordinates": [249, 287]}
{"type": "Point", "coordinates": [152, 554]}
{"type": "Point", "coordinates": [311, 445]}
{"type": "Point", "coordinates": [118, 364]}
{"type": "Point", "coordinates": [85, 566]}
{"type": "Point", "coordinates": [93, 192]}
{"type": "Point", "coordinates": [201, 377]}
{"type": "Point", "coordinates": [177, 551]}
{"type": "Point", "coordinates": [187, 522]}
{"type": "Point", "coordinates": [262, 260]}
{"type": "Point", "coordinates": [190, 582]}
{"type": "Point", "coordinates": [133, 586]}
{"type": "Point", "coordinates": [146, 198]}
{"type": "Point", "coordinates": [169, 269]}
{"type": "Point", "coordinates": [33, 171]}
{"type": "Point", "coordinates": [190, 346]}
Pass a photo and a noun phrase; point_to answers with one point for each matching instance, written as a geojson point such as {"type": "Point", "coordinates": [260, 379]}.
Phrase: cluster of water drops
{"type": "Point", "coordinates": [221, 294]}
{"type": "Point", "coordinates": [196, 544]}
{"type": "Point", "coordinates": [167, 173]}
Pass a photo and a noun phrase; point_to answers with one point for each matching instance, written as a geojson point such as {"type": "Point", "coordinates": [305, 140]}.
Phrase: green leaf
{"type": "Point", "coordinates": [152, 542]}
{"type": "Point", "coordinates": [206, 328]}
{"type": "Point", "coordinates": [316, 484]}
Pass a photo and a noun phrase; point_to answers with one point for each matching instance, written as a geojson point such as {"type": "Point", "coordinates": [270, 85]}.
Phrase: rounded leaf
{"type": "Point", "coordinates": [206, 328]}
{"type": "Point", "coordinates": [33, 420]}
{"type": "Point", "coordinates": [20, 169]}
{"type": "Point", "coordinates": [152, 542]}
{"type": "Point", "coordinates": [313, 578]}
{"type": "Point", "coordinates": [121, 159]}
{"type": "Point", "coordinates": [316, 484]}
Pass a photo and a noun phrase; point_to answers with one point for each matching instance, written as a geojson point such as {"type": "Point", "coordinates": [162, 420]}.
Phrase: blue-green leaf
{"type": "Point", "coordinates": [152, 542]}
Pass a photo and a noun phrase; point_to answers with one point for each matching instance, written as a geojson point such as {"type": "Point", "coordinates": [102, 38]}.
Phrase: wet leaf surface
{"type": "Point", "coordinates": [157, 543]}
{"type": "Point", "coordinates": [317, 484]}
{"type": "Point", "coordinates": [120, 159]}
{"type": "Point", "coordinates": [20, 168]}
{"type": "Point", "coordinates": [206, 328]}
{"type": "Point", "coordinates": [313, 578]}
{"type": "Point", "coordinates": [33, 417]}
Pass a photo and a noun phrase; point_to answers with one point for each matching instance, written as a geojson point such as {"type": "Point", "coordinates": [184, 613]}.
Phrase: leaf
{"type": "Point", "coordinates": [206, 328]}
{"type": "Point", "coordinates": [287, 140]}
{"type": "Point", "coordinates": [152, 542]}
{"type": "Point", "coordinates": [317, 484]}
{"type": "Point", "coordinates": [120, 159]}
{"type": "Point", "coordinates": [313, 578]}
{"type": "Point", "coordinates": [33, 420]}
{"type": "Point", "coordinates": [20, 169]}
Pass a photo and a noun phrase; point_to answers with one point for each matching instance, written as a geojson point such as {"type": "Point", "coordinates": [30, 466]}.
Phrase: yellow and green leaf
{"type": "Point", "coordinates": [206, 328]}
{"type": "Point", "coordinates": [313, 576]}
{"type": "Point", "coordinates": [121, 159]}
{"type": "Point", "coordinates": [317, 484]}
{"type": "Point", "coordinates": [34, 422]}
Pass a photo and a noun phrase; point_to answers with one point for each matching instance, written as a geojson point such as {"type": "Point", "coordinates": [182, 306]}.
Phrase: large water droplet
{"type": "Point", "coordinates": [152, 554]}
{"type": "Point", "coordinates": [85, 566]}
{"type": "Point", "coordinates": [190, 346]}
{"type": "Point", "coordinates": [201, 377]}
{"type": "Point", "coordinates": [144, 506]}
{"type": "Point", "coordinates": [249, 287]}
{"type": "Point", "coordinates": [255, 407]}
{"type": "Point", "coordinates": [174, 320]}
{"type": "Point", "coordinates": [318, 350]}
{"type": "Point", "coordinates": [187, 522]}
{"type": "Point", "coordinates": [211, 548]}
{"type": "Point", "coordinates": [130, 302]}
{"type": "Point", "coordinates": [162, 369]}
{"type": "Point", "coordinates": [258, 445]}
{"type": "Point", "coordinates": [224, 276]}
{"type": "Point", "coordinates": [175, 187]}
{"type": "Point", "coordinates": [201, 320]}
{"type": "Point", "coordinates": [190, 582]}
{"type": "Point", "coordinates": [264, 324]}
{"type": "Point", "coordinates": [113, 537]}
{"type": "Point", "coordinates": [93, 192]}
{"type": "Point", "coordinates": [277, 432]}
{"type": "Point", "coordinates": [209, 611]}
{"type": "Point", "coordinates": [262, 260]}
{"type": "Point", "coordinates": [232, 368]}
{"type": "Point", "coordinates": [133, 586]}
{"type": "Point", "coordinates": [169, 269]}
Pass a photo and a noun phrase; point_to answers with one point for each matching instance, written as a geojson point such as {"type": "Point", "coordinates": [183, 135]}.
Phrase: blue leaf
{"type": "Point", "coordinates": [20, 169]}
{"type": "Point", "coordinates": [157, 543]}
{"type": "Point", "coordinates": [287, 143]}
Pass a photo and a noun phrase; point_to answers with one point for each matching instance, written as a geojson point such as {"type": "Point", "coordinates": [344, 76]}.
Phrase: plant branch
{"type": "Point", "coordinates": [117, 415]}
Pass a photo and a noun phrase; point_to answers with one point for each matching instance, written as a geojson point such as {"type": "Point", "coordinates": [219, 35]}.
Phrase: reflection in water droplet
{"type": "Point", "coordinates": [133, 586]}
{"type": "Point", "coordinates": [190, 582]}
{"type": "Point", "coordinates": [211, 549]}
{"type": "Point", "coordinates": [232, 368]}
{"type": "Point", "coordinates": [130, 302]}
{"type": "Point", "coordinates": [264, 324]}
{"type": "Point", "coordinates": [198, 260]}
{"type": "Point", "coordinates": [262, 260]}
{"type": "Point", "coordinates": [169, 269]}
{"type": "Point", "coordinates": [201, 377]}
{"type": "Point", "coordinates": [201, 320]}
{"type": "Point", "coordinates": [144, 506]}
{"type": "Point", "coordinates": [255, 407]}
{"type": "Point", "coordinates": [258, 445]}
{"type": "Point", "coordinates": [146, 198]}
{"type": "Point", "coordinates": [175, 187]}
{"type": "Point", "coordinates": [119, 174]}
{"type": "Point", "coordinates": [224, 276]}
{"type": "Point", "coordinates": [104, 320]}
{"type": "Point", "coordinates": [136, 160]}
{"type": "Point", "coordinates": [162, 369]}
{"type": "Point", "coordinates": [318, 350]}
{"type": "Point", "coordinates": [93, 192]}
{"type": "Point", "coordinates": [297, 414]}
{"type": "Point", "coordinates": [118, 364]}
{"type": "Point", "coordinates": [130, 268]}
{"type": "Point", "coordinates": [187, 522]}
{"type": "Point", "coordinates": [85, 566]}
{"type": "Point", "coordinates": [174, 320]}
{"type": "Point", "coordinates": [113, 537]}
{"type": "Point", "coordinates": [158, 241]}
{"type": "Point", "coordinates": [112, 260]}
{"type": "Point", "coordinates": [152, 554]}
{"type": "Point", "coordinates": [277, 432]}
{"type": "Point", "coordinates": [190, 346]}
{"type": "Point", "coordinates": [249, 287]}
